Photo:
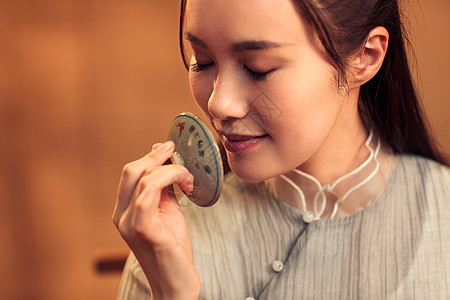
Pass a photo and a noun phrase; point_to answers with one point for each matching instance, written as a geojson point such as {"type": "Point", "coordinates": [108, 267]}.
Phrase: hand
{"type": "Point", "coordinates": [150, 220]}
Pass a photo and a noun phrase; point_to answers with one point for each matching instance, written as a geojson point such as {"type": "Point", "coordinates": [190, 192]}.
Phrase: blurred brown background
{"type": "Point", "coordinates": [86, 86]}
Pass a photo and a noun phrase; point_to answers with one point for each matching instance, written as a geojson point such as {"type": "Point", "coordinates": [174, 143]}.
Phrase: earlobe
{"type": "Point", "coordinates": [370, 59]}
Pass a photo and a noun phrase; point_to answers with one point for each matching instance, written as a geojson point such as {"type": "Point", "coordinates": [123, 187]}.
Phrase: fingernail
{"type": "Point", "coordinates": [189, 192]}
{"type": "Point", "coordinates": [190, 179]}
{"type": "Point", "coordinates": [166, 146]}
{"type": "Point", "coordinates": [189, 189]}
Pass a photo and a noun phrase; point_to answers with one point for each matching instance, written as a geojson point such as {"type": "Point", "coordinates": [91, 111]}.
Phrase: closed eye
{"type": "Point", "coordinates": [257, 76]}
{"type": "Point", "coordinates": [196, 67]}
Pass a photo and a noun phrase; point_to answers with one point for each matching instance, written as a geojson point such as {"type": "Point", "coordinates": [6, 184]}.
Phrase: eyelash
{"type": "Point", "coordinates": [196, 67]}
{"type": "Point", "coordinates": [257, 76]}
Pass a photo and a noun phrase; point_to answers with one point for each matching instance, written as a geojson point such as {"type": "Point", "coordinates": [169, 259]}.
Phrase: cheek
{"type": "Point", "coordinates": [316, 96]}
{"type": "Point", "coordinates": [201, 90]}
{"type": "Point", "coordinates": [309, 110]}
{"type": "Point", "coordinates": [304, 103]}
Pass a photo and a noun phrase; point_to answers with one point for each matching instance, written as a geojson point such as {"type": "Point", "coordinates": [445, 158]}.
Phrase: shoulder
{"type": "Point", "coordinates": [423, 171]}
{"type": "Point", "coordinates": [423, 186]}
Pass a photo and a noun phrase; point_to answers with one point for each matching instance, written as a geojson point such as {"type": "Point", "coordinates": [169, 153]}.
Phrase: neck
{"type": "Point", "coordinates": [343, 149]}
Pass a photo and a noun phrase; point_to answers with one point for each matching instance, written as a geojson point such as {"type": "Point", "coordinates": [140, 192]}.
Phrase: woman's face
{"type": "Point", "coordinates": [261, 75]}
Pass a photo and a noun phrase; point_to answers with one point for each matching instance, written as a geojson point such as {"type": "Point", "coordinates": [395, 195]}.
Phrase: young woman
{"type": "Point", "coordinates": [336, 191]}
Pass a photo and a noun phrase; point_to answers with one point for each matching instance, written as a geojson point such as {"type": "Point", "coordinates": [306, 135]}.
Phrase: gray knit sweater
{"type": "Point", "coordinates": [252, 245]}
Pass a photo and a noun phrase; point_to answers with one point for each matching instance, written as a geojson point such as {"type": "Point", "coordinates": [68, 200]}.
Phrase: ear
{"type": "Point", "coordinates": [368, 61]}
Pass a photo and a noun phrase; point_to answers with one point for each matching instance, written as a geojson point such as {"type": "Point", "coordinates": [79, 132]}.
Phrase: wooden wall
{"type": "Point", "coordinates": [86, 86]}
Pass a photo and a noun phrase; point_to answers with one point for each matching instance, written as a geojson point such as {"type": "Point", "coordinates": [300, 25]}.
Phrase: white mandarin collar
{"type": "Point", "coordinates": [347, 195]}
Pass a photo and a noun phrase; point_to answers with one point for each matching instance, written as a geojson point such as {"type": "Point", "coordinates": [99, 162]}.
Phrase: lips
{"type": "Point", "coordinates": [239, 143]}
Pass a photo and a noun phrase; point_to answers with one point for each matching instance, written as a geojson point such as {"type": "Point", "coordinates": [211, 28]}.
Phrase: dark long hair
{"type": "Point", "coordinates": [388, 103]}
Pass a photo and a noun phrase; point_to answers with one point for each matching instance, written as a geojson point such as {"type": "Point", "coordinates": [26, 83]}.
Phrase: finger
{"type": "Point", "coordinates": [155, 146]}
{"type": "Point", "coordinates": [147, 206]}
{"type": "Point", "coordinates": [160, 177]}
{"type": "Point", "coordinates": [132, 172]}
{"type": "Point", "coordinates": [149, 188]}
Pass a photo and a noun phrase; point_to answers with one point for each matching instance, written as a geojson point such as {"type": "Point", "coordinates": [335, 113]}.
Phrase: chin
{"type": "Point", "coordinates": [256, 169]}
{"type": "Point", "coordinates": [251, 173]}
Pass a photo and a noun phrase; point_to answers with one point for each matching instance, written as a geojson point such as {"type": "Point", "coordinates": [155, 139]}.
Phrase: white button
{"type": "Point", "coordinates": [308, 217]}
{"type": "Point", "coordinates": [277, 266]}
{"type": "Point", "coordinates": [249, 298]}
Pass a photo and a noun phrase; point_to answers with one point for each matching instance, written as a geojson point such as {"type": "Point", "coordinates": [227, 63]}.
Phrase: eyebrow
{"type": "Point", "coordinates": [193, 39]}
{"type": "Point", "coordinates": [236, 47]}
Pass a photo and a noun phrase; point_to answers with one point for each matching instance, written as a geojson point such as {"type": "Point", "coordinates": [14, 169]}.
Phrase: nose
{"type": "Point", "coordinates": [228, 98]}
